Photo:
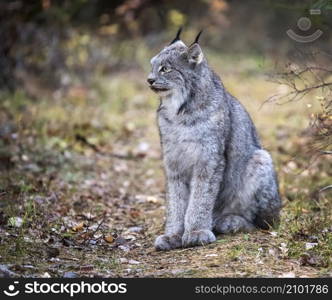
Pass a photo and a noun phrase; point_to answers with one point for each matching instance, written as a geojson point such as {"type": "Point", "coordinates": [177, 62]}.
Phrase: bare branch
{"type": "Point", "coordinates": [327, 152]}
{"type": "Point", "coordinates": [325, 188]}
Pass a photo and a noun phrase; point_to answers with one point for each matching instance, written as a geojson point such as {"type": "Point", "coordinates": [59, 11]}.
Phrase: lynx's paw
{"type": "Point", "coordinates": [198, 238]}
{"type": "Point", "coordinates": [233, 224]}
{"type": "Point", "coordinates": [167, 242]}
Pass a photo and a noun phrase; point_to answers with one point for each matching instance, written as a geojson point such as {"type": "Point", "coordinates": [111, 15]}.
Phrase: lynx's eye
{"type": "Point", "coordinates": [164, 69]}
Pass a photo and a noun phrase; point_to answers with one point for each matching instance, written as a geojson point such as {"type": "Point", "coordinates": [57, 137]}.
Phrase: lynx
{"type": "Point", "coordinates": [219, 178]}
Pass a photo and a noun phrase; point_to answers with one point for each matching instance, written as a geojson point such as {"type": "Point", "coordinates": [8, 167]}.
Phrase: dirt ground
{"type": "Point", "coordinates": [82, 186]}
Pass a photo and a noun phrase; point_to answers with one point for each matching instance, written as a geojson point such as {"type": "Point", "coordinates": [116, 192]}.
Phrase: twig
{"type": "Point", "coordinates": [327, 152]}
{"type": "Point", "coordinates": [96, 230]}
{"type": "Point", "coordinates": [84, 141]}
{"type": "Point", "coordinates": [325, 188]}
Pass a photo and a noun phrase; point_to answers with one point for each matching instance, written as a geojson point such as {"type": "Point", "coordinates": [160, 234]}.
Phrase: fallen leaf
{"type": "Point", "coordinates": [124, 248]}
{"type": "Point", "coordinates": [70, 275]}
{"type": "Point", "coordinates": [283, 248]}
{"type": "Point", "coordinates": [311, 260]}
{"type": "Point", "coordinates": [46, 275]}
{"type": "Point", "coordinates": [86, 268]}
{"type": "Point", "coordinates": [309, 246]}
{"type": "Point", "coordinates": [86, 235]}
{"type": "Point", "coordinates": [211, 255]}
{"type": "Point", "coordinates": [133, 262]}
{"type": "Point", "coordinates": [272, 252]}
{"type": "Point", "coordinates": [135, 229]}
{"type": "Point", "coordinates": [129, 127]}
{"type": "Point", "coordinates": [5, 272]}
{"type": "Point", "coordinates": [109, 238]}
{"type": "Point", "coordinates": [287, 275]}
{"type": "Point", "coordinates": [120, 241]}
{"type": "Point", "coordinates": [130, 237]}
{"type": "Point", "coordinates": [123, 260]}
{"type": "Point", "coordinates": [151, 199]}
{"type": "Point", "coordinates": [78, 227]}
{"type": "Point", "coordinates": [134, 213]}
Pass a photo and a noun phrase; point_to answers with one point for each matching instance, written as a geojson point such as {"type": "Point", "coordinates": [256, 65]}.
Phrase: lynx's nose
{"type": "Point", "coordinates": [151, 81]}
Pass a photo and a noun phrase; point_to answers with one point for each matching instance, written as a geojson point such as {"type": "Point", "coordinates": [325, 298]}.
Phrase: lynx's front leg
{"type": "Point", "coordinates": [204, 190]}
{"type": "Point", "coordinates": [177, 200]}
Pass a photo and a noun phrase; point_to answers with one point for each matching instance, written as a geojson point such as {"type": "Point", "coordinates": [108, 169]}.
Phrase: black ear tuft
{"type": "Point", "coordinates": [197, 38]}
{"type": "Point", "coordinates": [177, 38]}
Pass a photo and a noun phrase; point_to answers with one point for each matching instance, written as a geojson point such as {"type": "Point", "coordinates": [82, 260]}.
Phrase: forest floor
{"type": "Point", "coordinates": [82, 186]}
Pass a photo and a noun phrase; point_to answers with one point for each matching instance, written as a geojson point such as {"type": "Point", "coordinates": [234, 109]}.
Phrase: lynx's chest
{"type": "Point", "coordinates": [180, 148]}
{"type": "Point", "coordinates": [181, 144]}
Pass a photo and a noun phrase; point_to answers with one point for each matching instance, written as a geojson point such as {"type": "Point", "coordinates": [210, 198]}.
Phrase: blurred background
{"type": "Point", "coordinates": [80, 162]}
{"type": "Point", "coordinates": [57, 44]}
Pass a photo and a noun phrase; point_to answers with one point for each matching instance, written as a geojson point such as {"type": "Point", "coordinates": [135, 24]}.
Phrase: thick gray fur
{"type": "Point", "coordinates": [219, 178]}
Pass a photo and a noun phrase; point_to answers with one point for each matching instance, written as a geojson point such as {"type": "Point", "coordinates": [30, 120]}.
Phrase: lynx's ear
{"type": "Point", "coordinates": [195, 53]}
